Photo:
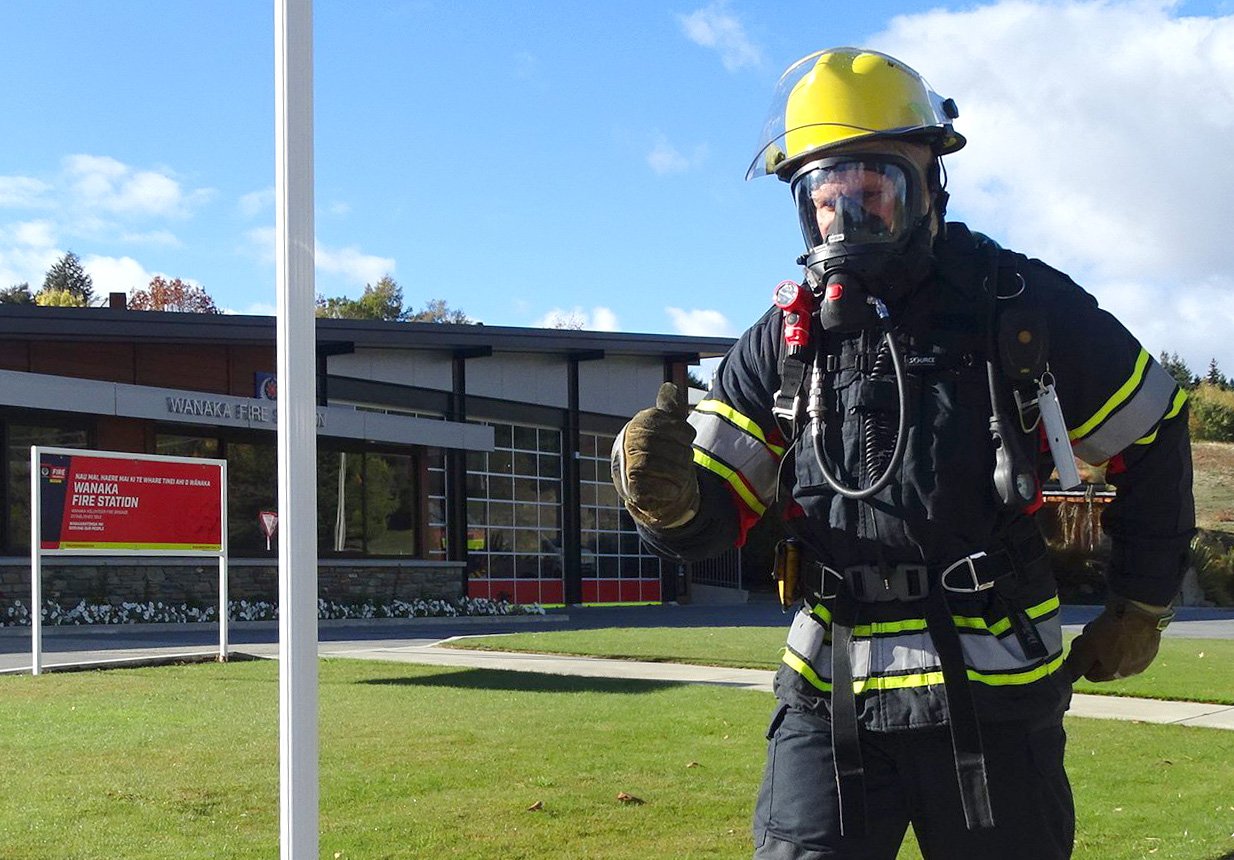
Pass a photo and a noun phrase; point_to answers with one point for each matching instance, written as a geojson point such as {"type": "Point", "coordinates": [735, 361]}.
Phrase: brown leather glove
{"type": "Point", "coordinates": [653, 463]}
{"type": "Point", "coordinates": [1118, 643]}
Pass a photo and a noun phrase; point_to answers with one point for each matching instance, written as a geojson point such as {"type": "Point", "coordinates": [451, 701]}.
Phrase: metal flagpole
{"type": "Point", "coordinates": [297, 429]}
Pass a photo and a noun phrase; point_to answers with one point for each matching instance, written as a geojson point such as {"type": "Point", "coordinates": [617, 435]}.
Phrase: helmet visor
{"type": "Point", "coordinates": [841, 95]}
{"type": "Point", "coordinates": [853, 202]}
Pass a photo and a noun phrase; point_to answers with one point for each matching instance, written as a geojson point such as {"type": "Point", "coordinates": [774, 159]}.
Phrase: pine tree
{"type": "Point", "coordinates": [1214, 376]}
{"type": "Point", "coordinates": [1177, 368]}
{"type": "Point", "coordinates": [67, 276]}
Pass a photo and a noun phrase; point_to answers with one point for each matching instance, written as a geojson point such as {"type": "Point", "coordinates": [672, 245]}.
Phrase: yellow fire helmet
{"type": "Point", "coordinates": [840, 95]}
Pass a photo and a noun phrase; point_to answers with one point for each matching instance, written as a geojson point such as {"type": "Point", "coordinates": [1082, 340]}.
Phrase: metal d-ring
{"type": "Point", "coordinates": [985, 285]}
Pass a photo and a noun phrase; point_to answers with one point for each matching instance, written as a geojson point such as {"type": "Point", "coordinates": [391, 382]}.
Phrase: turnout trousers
{"type": "Point", "coordinates": [910, 777]}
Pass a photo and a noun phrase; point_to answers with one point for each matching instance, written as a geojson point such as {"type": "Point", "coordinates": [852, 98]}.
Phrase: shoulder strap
{"type": "Point", "coordinates": [1019, 326]}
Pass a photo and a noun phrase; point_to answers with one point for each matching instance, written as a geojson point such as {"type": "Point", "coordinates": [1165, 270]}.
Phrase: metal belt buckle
{"type": "Point", "coordinates": [914, 581]}
{"type": "Point", "coordinates": [864, 582]}
{"type": "Point", "coordinates": [835, 575]}
{"type": "Point", "coordinates": [967, 564]}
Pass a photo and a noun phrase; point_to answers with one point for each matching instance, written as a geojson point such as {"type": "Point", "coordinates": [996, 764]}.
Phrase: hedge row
{"type": "Point", "coordinates": [1212, 413]}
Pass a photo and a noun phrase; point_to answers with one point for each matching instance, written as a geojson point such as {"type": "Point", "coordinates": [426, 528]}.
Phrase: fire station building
{"type": "Point", "coordinates": [452, 459]}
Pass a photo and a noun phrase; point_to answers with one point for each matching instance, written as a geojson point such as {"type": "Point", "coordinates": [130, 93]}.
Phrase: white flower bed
{"type": "Point", "coordinates": [16, 614]}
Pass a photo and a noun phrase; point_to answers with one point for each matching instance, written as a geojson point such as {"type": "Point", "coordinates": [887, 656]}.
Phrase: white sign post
{"type": "Point", "coordinates": [114, 503]}
{"type": "Point", "coordinates": [297, 428]}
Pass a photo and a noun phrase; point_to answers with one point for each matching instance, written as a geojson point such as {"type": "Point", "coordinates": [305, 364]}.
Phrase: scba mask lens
{"type": "Point", "coordinates": [846, 203]}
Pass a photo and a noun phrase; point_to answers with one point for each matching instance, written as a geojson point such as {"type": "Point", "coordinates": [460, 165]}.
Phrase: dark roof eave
{"type": "Point", "coordinates": [25, 322]}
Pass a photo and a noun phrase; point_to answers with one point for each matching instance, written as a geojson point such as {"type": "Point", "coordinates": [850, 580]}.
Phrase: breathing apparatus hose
{"type": "Point", "coordinates": [897, 453]}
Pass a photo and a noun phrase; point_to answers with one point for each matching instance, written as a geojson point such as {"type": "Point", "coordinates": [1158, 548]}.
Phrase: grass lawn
{"type": "Point", "coordinates": [424, 762]}
{"type": "Point", "coordinates": [1199, 670]}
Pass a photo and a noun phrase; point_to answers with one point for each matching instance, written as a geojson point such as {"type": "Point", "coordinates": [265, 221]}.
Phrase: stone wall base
{"type": "Point", "coordinates": [197, 584]}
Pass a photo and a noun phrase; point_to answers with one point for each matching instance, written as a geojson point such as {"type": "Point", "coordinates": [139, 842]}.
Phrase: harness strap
{"type": "Point", "coordinates": [845, 741]}
{"type": "Point", "coordinates": [962, 714]}
{"type": "Point", "coordinates": [792, 377]}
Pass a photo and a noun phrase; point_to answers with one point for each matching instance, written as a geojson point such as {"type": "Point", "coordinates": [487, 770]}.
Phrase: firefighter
{"type": "Point", "coordinates": [899, 407]}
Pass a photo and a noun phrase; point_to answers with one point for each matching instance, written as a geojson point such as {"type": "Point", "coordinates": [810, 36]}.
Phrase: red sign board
{"type": "Point", "coordinates": [129, 504]}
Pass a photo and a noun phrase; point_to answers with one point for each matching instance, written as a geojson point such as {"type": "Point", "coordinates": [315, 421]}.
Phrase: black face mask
{"type": "Point", "coordinates": [888, 272]}
{"type": "Point", "coordinates": [858, 219]}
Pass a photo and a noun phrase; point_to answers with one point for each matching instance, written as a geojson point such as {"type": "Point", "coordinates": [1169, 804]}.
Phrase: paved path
{"type": "Point", "coordinates": [414, 641]}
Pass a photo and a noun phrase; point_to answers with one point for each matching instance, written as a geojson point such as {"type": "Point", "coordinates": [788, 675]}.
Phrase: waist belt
{"type": "Point", "coordinates": [1021, 549]}
{"type": "Point", "coordinates": [872, 583]}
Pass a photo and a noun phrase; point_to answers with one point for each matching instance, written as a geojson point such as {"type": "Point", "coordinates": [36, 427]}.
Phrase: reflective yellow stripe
{"type": "Point", "coordinates": [822, 613]}
{"type": "Point", "coordinates": [802, 668]}
{"type": "Point", "coordinates": [731, 414]}
{"type": "Point", "coordinates": [1116, 400]}
{"type": "Point", "coordinates": [1014, 679]}
{"type": "Point", "coordinates": [925, 679]}
{"type": "Point", "coordinates": [897, 682]}
{"type": "Point", "coordinates": [908, 625]}
{"type": "Point", "coordinates": [734, 480]}
{"type": "Point", "coordinates": [968, 622]}
{"type": "Point", "coordinates": [1179, 399]}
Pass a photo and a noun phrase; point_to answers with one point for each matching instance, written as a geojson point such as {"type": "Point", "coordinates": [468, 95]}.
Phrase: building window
{"type": "Point", "coordinates": [367, 501]}
{"type": "Point", "coordinates": [20, 438]}
{"type": "Point", "coordinates": [171, 445]}
{"type": "Point", "coordinates": [514, 516]}
{"type": "Point", "coordinates": [616, 564]}
{"type": "Point", "coordinates": [435, 492]}
{"type": "Point", "coordinates": [252, 487]}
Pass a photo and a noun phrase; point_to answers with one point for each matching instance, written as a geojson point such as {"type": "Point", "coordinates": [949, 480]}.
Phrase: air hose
{"type": "Point", "coordinates": [872, 446]}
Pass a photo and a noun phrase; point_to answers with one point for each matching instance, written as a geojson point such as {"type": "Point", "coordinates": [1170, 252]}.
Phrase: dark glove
{"type": "Point", "coordinates": [1118, 643]}
{"type": "Point", "coordinates": [653, 463]}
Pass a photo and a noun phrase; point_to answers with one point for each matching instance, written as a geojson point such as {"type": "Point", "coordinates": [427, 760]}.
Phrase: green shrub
{"type": "Point", "coordinates": [1214, 568]}
{"type": "Point", "coordinates": [1212, 414]}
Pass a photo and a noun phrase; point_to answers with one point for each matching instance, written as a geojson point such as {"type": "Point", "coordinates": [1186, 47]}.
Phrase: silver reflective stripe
{"type": "Point", "coordinates": [913, 651]}
{"type": "Point", "coordinates": [1133, 419]}
{"type": "Point", "coordinates": [748, 456]}
{"type": "Point", "coordinates": [806, 636]}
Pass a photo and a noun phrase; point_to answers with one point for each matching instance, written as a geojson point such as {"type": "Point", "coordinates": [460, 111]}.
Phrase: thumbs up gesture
{"type": "Point", "coordinates": [653, 463]}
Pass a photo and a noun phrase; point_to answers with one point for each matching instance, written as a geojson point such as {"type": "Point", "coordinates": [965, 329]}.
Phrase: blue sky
{"type": "Point", "coordinates": [529, 161]}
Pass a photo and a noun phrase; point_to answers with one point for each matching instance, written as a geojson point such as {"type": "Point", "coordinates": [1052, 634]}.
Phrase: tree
{"type": "Point", "coordinates": [59, 299]}
{"type": "Point", "coordinates": [380, 301]}
{"type": "Point", "coordinates": [1214, 376]}
{"type": "Point", "coordinates": [18, 294]}
{"type": "Point", "coordinates": [173, 295]}
{"type": "Point", "coordinates": [384, 301]}
{"type": "Point", "coordinates": [67, 275]}
{"type": "Point", "coordinates": [1177, 368]}
{"type": "Point", "coordinates": [437, 311]}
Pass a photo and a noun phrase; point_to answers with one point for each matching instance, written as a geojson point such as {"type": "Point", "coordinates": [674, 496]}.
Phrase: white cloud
{"type": "Point", "coordinates": [600, 319]}
{"type": "Point", "coordinates": [1109, 159]}
{"type": "Point", "coordinates": [27, 251]}
{"type": "Point", "coordinates": [23, 192]}
{"type": "Point", "coordinates": [339, 207]}
{"type": "Point", "coordinates": [35, 234]}
{"type": "Point", "coordinates": [153, 237]}
{"type": "Point", "coordinates": [715, 27]}
{"type": "Point", "coordinates": [116, 274]}
{"type": "Point", "coordinates": [665, 158]}
{"type": "Point", "coordinates": [255, 202]}
{"type": "Point", "coordinates": [260, 309]}
{"type": "Point", "coordinates": [700, 322]}
{"type": "Point", "coordinates": [101, 183]}
{"type": "Point", "coordinates": [353, 264]}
